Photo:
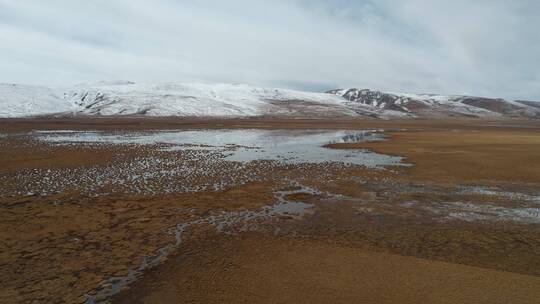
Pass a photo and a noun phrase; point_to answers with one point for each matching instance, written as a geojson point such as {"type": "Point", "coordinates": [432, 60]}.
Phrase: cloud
{"type": "Point", "coordinates": [479, 47]}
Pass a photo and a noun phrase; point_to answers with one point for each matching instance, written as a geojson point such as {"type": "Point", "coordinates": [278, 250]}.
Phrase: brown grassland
{"type": "Point", "coordinates": [361, 245]}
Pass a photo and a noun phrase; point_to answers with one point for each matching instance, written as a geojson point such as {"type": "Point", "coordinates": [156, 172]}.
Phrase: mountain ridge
{"type": "Point", "coordinates": [433, 104]}
{"type": "Point", "coordinates": [126, 98]}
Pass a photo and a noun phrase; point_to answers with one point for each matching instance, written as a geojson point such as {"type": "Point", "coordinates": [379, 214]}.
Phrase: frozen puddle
{"type": "Point", "coordinates": [469, 212]}
{"type": "Point", "coordinates": [472, 212]}
{"type": "Point", "coordinates": [245, 145]}
{"type": "Point", "coordinates": [533, 198]}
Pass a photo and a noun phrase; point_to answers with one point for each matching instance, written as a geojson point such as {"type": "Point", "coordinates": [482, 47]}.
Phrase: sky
{"type": "Point", "coordinates": [481, 47]}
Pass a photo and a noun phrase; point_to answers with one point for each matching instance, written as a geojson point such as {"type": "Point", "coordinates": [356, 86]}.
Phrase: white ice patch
{"type": "Point", "coordinates": [534, 198]}
{"type": "Point", "coordinates": [473, 212]}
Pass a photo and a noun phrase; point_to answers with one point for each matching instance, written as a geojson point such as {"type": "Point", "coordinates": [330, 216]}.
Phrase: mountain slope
{"type": "Point", "coordinates": [24, 100]}
{"type": "Point", "coordinates": [238, 100]}
{"type": "Point", "coordinates": [171, 99]}
{"type": "Point", "coordinates": [439, 105]}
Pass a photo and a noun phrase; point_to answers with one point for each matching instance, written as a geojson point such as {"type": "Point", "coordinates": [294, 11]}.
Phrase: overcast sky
{"type": "Point", "coordinates": [480, 47]}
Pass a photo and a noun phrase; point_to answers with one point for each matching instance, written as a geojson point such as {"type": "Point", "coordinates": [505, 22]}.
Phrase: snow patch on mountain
{"type": "Point", "coordinates": [117, 98]}
{"type": "Point", "coordinates": [438, 105]}
{"type": "Point", "coordinates": [24, 100]}
{"type": "Point", "coordinates": [173, 99]}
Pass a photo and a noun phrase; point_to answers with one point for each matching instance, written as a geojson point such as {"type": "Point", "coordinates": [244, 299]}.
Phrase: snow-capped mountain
{"type": "Point", "coordinates": [439, 105]}
{"type": "Point", "coordinates": [239, 100]}
{"type": "Point", "coordinates": [25, 100]}
{"type": "Point", "coordinates": [173, 99]}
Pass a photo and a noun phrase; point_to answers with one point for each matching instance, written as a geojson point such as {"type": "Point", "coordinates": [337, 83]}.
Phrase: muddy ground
{"type": "Point", "coordinates": [133, 223]}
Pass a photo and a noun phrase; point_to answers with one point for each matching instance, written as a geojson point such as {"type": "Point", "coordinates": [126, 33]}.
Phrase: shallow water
{"type": "Point", "coordinates": [286, 146]}
{"type": "Point", "coordinates": [224, 222]}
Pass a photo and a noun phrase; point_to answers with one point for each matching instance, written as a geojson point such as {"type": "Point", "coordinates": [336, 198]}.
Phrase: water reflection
{"type": "Point", "coordinates": [245, 145]}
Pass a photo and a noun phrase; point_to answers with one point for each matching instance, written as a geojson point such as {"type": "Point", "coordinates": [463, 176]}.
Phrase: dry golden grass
{"type": "Point", "coordinates": [465, 156]}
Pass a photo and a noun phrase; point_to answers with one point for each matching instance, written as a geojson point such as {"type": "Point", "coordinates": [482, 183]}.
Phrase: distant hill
{"type": "Point", "coordinates": [125, 98]}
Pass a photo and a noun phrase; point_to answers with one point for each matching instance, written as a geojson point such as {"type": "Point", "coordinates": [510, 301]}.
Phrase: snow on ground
{"type": "Point", "coordinates": [163, 99]}
{"type": "Point", "coordinates": [426, 97]}
{"type": "Point", "coordinates": [172, 99]}
{"type": "Point", "coordinates": [436, 105]}
{"type": "Point", "coordinates": [240, 100]}
{"type": "Point", "coordinates": [24, 100]}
